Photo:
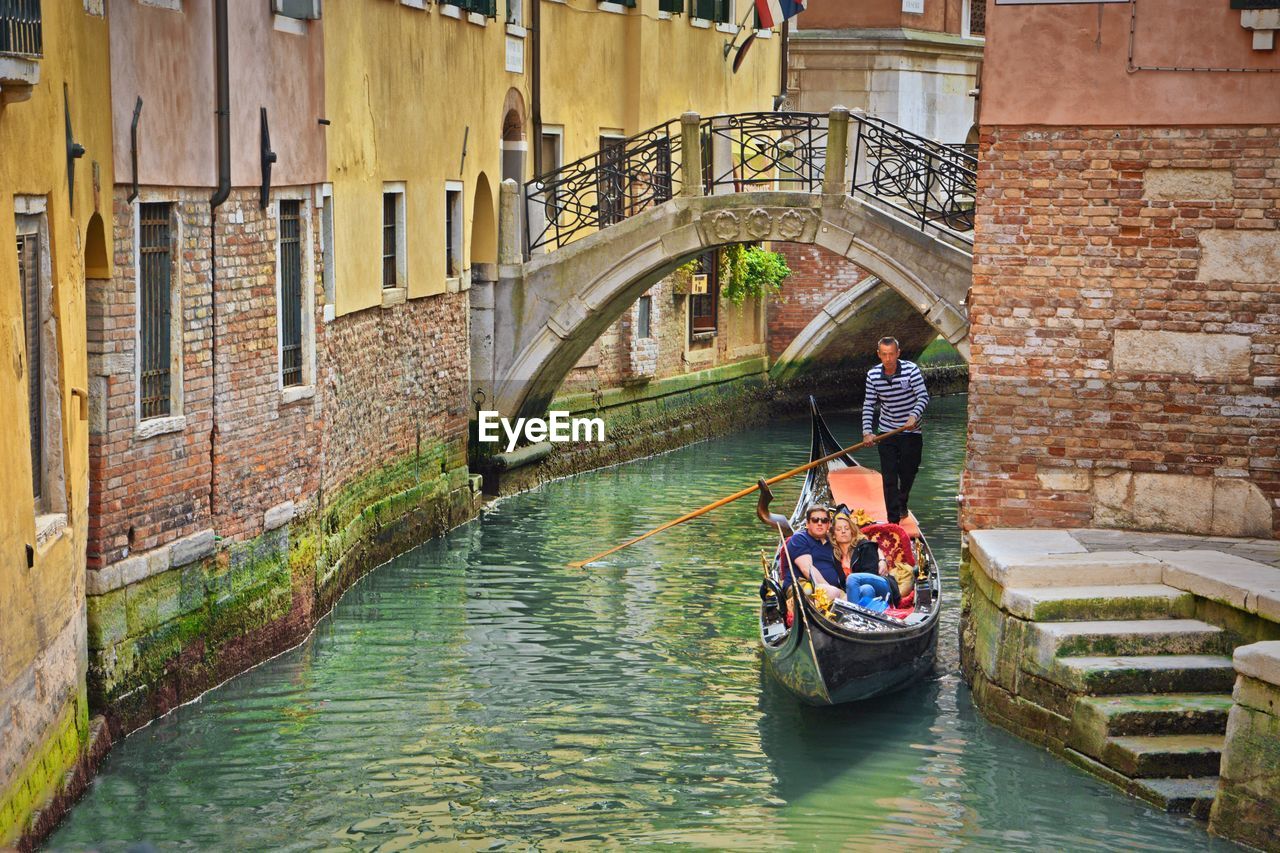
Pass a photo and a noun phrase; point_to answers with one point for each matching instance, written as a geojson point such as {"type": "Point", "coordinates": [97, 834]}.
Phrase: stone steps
{"type": "Point", "coordinates": [1101, 676]}
{"type": "Point", "coordinates": [1180, 796]}
{"type": "Point", "coordinates": [1071, 603]}
{"type": "Point", "coordinates": [1167, 713]}
{"type": "Point", "coordinates": [1126, 637]}
{"type": "Point", "coordinates": [1164, 756]}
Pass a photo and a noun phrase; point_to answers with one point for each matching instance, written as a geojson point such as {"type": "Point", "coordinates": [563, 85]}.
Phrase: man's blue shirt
{"type": "Point", "coordinates": [823, 558]}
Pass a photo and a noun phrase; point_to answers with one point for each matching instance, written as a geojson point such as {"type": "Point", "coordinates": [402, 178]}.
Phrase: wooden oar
{"type": "Point", "coordinates": [742, 494]}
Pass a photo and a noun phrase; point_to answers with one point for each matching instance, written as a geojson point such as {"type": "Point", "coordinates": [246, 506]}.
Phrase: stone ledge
{"type": "Point", "coordinates": [1226, 578]}
{"type": "Point", "coordinates": [1259, 661]}
{"type": "Point", "coordinates": [156, 561]}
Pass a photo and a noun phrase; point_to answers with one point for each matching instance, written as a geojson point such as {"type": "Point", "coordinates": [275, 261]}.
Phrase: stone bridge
{"type": "Point", "coordinates": [534, 322]}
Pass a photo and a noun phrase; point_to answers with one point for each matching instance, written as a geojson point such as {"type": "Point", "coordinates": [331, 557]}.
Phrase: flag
{"type": "Point", "coordinates": [774, 12]}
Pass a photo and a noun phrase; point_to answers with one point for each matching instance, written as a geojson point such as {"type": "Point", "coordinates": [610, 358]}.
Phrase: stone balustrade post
{"type": "Point", "coordinates": [690, 154]}
{"type": "Point", "coordinates": [509, 251]}
{"type": "Point", "coordinates": [833, 181]}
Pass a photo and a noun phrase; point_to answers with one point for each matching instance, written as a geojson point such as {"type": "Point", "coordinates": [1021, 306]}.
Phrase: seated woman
{"type": "Point", "coordinates": [862, 564]}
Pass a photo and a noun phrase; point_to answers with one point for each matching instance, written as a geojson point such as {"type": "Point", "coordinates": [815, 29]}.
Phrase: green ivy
{"type": "Point", "coordinates": [751, 272]}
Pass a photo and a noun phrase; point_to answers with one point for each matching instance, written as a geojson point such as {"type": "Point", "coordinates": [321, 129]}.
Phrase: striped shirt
{"type": "Point", "coordinates": [897, 397]}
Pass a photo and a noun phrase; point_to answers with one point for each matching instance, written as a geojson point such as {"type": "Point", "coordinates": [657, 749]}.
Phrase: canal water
{"type": "Point", "coordinates": [478, 693]}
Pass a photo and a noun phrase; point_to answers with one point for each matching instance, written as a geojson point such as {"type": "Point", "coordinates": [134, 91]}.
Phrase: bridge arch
{"type": "Point", "coordinates": [553, 307]}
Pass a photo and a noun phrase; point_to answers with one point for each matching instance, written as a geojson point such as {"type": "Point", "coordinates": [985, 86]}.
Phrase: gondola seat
{"type": "Point", "coordinates": [893, 540]}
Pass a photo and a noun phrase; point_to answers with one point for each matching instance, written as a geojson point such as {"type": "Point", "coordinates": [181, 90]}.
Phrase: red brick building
{"type": "Point", "coordinates": [1125, 314]}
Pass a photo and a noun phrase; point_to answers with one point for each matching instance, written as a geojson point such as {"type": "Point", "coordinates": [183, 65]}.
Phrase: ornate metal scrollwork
{"type": "Point", "coordinates": [929, 182]}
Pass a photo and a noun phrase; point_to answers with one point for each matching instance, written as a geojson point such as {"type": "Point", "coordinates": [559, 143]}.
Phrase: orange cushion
{"type": "Point", "coordinates": [862, 488]}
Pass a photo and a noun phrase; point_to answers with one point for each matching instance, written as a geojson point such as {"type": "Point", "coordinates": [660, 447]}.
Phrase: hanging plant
{"type": "Point", "coordinates": [751, 272]}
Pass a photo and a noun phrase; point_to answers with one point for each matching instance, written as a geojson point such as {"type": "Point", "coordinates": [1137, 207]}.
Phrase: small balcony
{"type": "Point", "coordinates": [21, 45]}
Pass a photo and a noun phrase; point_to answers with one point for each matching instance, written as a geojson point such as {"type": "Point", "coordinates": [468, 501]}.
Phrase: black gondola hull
{"type": "Point", "coordinates": [828, 667]}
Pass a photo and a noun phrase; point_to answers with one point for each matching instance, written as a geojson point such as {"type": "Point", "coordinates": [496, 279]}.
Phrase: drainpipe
{"type": "Point", "coordinates": [222, 87]}
{"type": "Point", "coordinates": [535, 83]}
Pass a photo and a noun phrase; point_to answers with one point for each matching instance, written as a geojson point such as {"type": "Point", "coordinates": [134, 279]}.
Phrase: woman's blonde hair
{"type": "Point", "coordinates": [836, 547]}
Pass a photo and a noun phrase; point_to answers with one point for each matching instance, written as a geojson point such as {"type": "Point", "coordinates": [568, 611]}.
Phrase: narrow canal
{"type": "Point", "coordinates": [477, 692]}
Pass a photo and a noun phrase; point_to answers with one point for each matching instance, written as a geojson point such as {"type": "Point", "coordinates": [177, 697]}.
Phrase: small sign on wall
{"type": "Point", "coordinates": [698, 287]}
{"type": "Point", "coordinates": [515, 55]}
{"type": "Point", "coordinates": [915, 7]}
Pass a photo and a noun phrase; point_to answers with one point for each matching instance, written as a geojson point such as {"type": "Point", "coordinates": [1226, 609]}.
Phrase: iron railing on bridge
{"type": "Point", "coordinates": [755, 151]}
{"type": "Point", "coordinates": [927, 181]}
{"type": "Point", "coordinates": [20, 28]}
{"type": "Point", "coordinates": [932, 183]}
{"type": "Point", "coordinates": [603, 188]}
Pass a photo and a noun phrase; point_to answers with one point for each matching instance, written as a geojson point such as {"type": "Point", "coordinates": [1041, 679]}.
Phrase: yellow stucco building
{"type": "Point", "coordinates": [53, 221]}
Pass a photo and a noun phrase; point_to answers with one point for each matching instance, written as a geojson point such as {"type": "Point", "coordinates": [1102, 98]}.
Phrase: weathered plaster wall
{"type": "Point", "coordinates": [1067, 65]}
{"type": "Point", "coordinates": [167, 58]}
{"type": "Point", "coordinates": [43, 712]}
{"type": "Point", "coordinates": [938, 15]}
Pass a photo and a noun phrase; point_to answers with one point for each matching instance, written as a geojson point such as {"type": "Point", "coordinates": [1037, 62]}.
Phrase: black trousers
{"type": "Point", "coordinates": [899, 462]}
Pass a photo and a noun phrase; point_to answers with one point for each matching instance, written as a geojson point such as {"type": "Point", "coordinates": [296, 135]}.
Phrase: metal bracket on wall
{"type": "Point", "coordinates": [74, 149]}
{"type": "Point", "coordinates": [133, 148]}
{"type": "Point", "coordinates": [268, 157]}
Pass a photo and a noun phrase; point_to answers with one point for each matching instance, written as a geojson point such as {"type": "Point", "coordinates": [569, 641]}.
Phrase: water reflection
{"type": "Point", "coordinates": [478, 693]}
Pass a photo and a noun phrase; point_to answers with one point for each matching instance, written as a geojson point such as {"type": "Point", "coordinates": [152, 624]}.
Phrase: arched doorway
{"type": "Point", "coordinates": [514, 149]}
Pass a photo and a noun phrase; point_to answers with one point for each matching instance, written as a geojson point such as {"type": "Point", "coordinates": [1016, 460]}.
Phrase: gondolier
{"type": "Point", "coordinates": [895, 390]}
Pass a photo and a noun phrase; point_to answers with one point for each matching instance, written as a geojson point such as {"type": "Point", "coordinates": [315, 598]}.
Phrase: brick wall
{"type": "Point", "coordinates": [617, 357]}
{"type": "Point", "coordinates": [145, 492]}
{"type": "Point", "coordinates": [817, 277]}
{"type": "Point", "coordinates": [396, 376]}
{"type": "Point", "coordinates": [149, 490]}
{"type": "Point", "coordinates": [265, 447]}
{"type": "Point", "coordinates": [1125, 330]}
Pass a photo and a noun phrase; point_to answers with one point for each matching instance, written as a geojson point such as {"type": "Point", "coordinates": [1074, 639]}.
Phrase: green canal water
{"type": "Point", "coordinates": [478, 694]}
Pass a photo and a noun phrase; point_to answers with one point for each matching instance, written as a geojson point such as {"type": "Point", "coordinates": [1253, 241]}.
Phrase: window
{"type": "Point", "coordinates": [675, 7]}
{"type": "Point", "coordinates": [488, 8]}
{"type": "Point", "coordinates": [611, 183]}
{"type": "Point", "coordinates": [703, 306]}
{"type": "Point", "coordinates": [29, 279]}
{"type": "Point", "coordinates": [552, 159]}
{"type": "Point", "coordinates": [393, 237]}
{"type": "Point", "coordinates": [303, 10]}
{"type": "Point", "coordinates": [40, 351]}
{"type": "Point", "coordinates": [155, 309]}
{"type": "Point", "coordinates": [289, 271]}
{"type": "Point", "coordinates": [515, 12]}
{"type": "Point", "coordinates": [21, 29]}
{"type": "Point", "coordinates": [720, 11]}
{"type": "Point", "coordinates": [453, 229]}
{"type": "Point", "coordinates": [975, 21]}
{"type": "Point", "coordinates": [644, 316]}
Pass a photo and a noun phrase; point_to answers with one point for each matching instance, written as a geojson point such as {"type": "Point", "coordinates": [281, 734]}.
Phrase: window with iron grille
{"type": "Point", "coordinates": [977, 17]}
{"type": "Point", "coordinates": [644, 317]}
{"type": "Point", "coordinates": [21, 28]}
{"type": "Point", "coordinates": [703, 313]}
{"type": "Point", "coordinates": [155, 307]}
{"type": "Point", "coordinates": [29, 279]}
{"type": "Point", "coordinates": [720, 11]}
{"type": "Point", "coordinates": [289, 259]}
{"type": "Point", "coordinates": [391, 239]}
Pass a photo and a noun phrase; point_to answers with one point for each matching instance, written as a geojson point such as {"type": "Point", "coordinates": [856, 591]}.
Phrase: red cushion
{"type": "Point", "coordinates": [893, 541]}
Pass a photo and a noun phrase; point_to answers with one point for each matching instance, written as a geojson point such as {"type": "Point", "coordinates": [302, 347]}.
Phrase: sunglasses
{"type": "Point", "coordinates": [822, 520]}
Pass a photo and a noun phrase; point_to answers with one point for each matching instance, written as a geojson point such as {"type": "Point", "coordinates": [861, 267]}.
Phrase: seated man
{"type": "Point", "coordinates": [810, 553]}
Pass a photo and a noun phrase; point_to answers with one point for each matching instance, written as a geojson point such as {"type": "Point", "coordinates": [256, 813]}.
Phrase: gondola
{"type": "Point", "coordinates": [845, 653]}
